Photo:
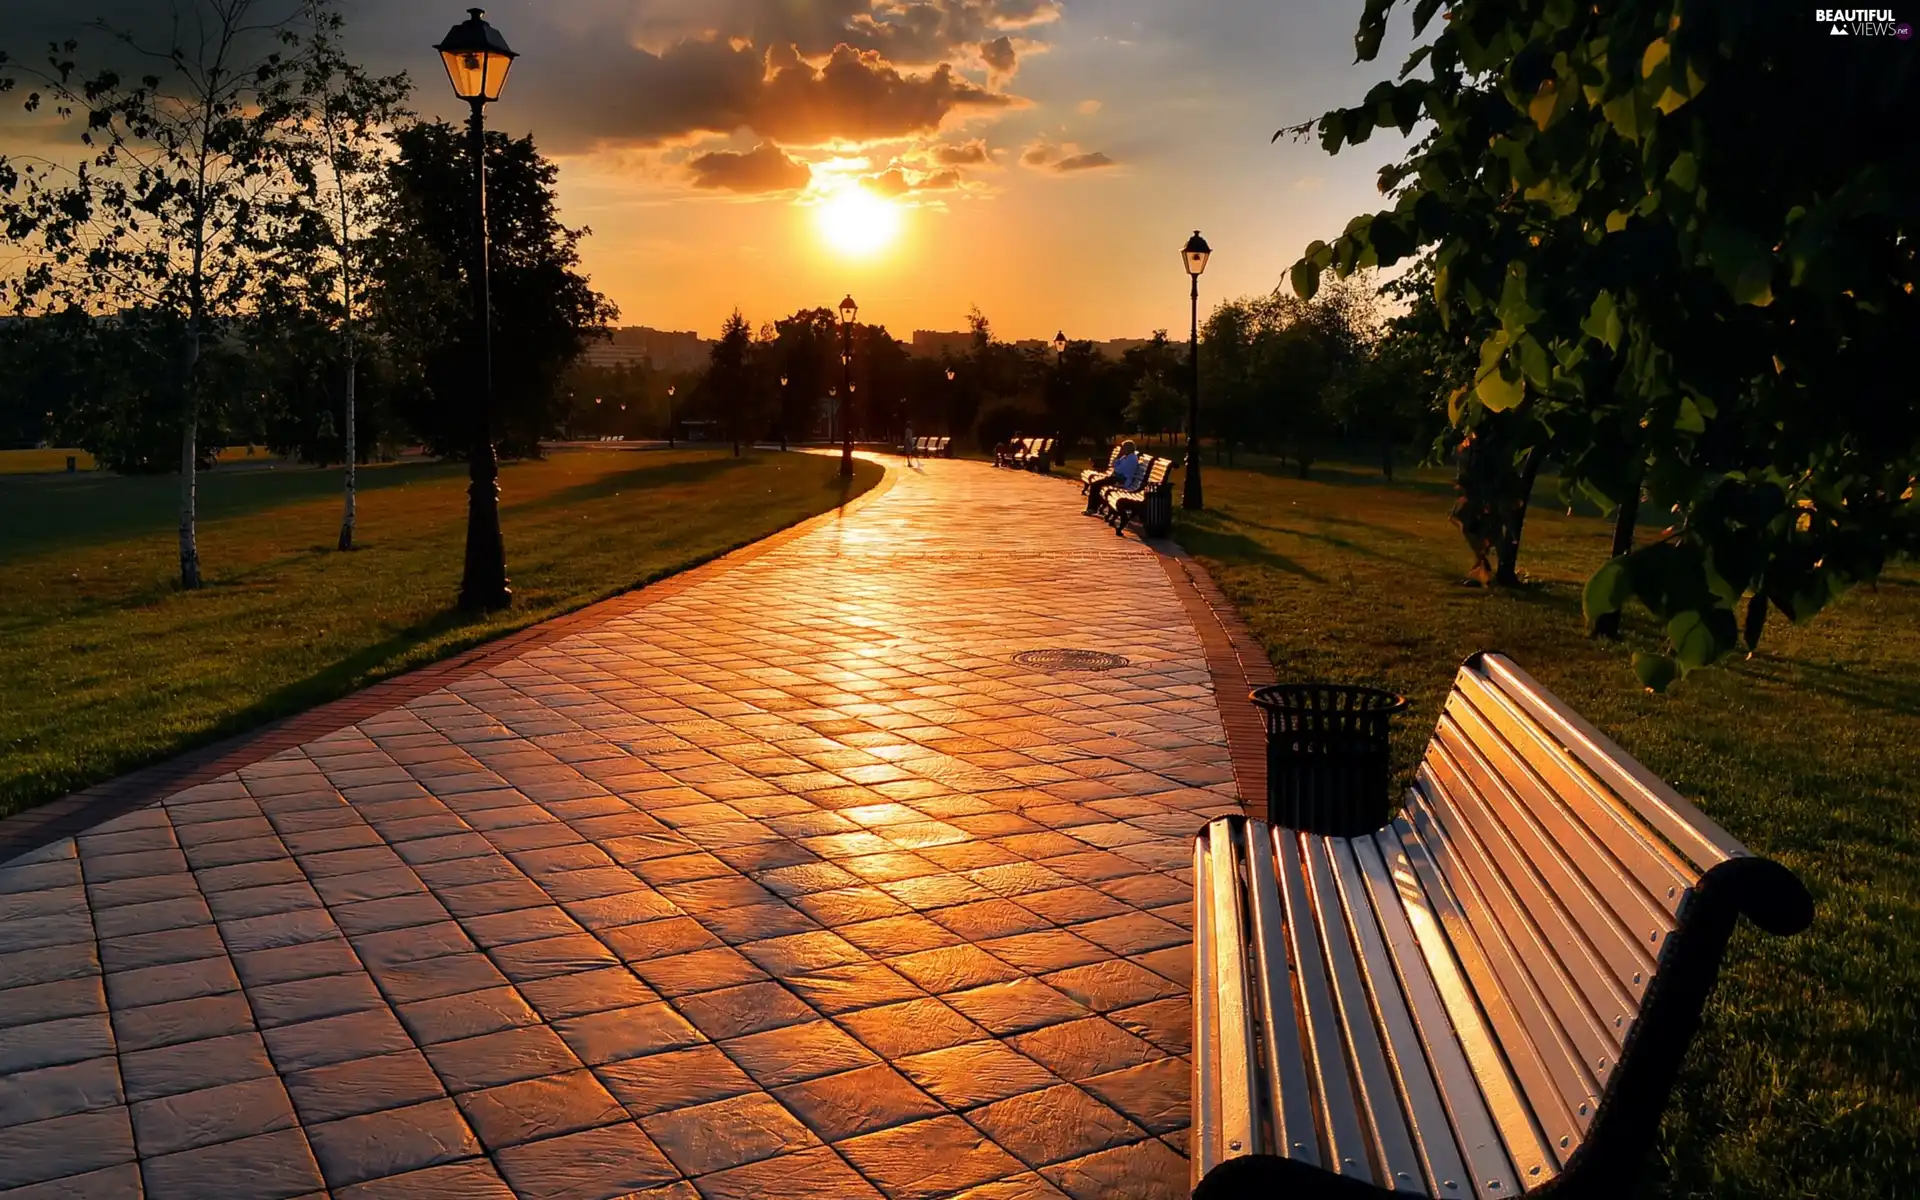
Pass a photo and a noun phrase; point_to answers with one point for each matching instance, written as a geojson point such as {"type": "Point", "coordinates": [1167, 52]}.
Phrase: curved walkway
{"type": "Point", "coordinates": [787, 880]}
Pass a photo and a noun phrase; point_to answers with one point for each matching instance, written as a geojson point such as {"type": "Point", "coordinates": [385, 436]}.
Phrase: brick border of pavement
{"type": "Point", "coordinates": [83, 809]}
{"type": "Point", "coordinates": [1237, 662]}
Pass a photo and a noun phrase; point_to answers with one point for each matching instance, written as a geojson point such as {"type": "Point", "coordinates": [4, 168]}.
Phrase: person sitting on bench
{"type": "Point", "coordinates": [1003, 452]}
{"type": "Point", "coordinates": [1123, 472]}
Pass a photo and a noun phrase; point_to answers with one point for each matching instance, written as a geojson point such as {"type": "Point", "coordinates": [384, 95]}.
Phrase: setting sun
{"type": "Point", "coordinates": [855, 221]}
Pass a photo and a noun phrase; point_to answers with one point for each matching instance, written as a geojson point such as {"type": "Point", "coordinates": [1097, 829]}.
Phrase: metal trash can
{"type": "Point", "coordinates": [1329, 756]}
{"type": "Point", "coordinates": [1157, 519]}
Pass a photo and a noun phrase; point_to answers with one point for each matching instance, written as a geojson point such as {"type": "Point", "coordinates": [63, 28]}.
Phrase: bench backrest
{"type": "Point", "coordinates": [1559, 870]}
{"type": "Point", "coordinates": [1157, 472]}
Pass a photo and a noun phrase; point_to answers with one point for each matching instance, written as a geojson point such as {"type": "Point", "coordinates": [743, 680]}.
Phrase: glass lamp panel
{"type": "Point", "coordinates": [467, 71]}
{"type": "Point", "coordinates": [1197, 261]}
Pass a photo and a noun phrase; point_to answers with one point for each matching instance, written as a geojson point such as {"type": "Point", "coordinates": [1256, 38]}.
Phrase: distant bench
{"type": "Point", "coordinates": [1030, 454]}
{"type": "Point", "coordinates": [932, 447]}
{"type": "Point", "coordinates": [1152, 500]}
{"type": "Point", "coordinates": [1488, 998]}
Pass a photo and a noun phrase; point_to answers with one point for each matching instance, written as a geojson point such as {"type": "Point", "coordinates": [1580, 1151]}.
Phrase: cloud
{"type": "Point", "coordinates": [1087, 108]}
{"type": "Point", "coordinates": [897, 182]}
{"type": "Point", "coordinates": [1065, 158]}
{"type": "Point", "coordinates": [1000, 57]}
{"type": "Point", "coordinates": [963, 154]}
{"type": "Point", "coordinates": [766, 168]}
{"type": "Point", "coordinates": [1085, 162]}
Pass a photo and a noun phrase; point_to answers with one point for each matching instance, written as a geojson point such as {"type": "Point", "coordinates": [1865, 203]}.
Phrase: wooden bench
{"type": "Point", "coordinates": [1088, 476]}
{"type": "Point", "coordinates": [1120, 507]}
{"type": "Point", "coordinates": [1033, 454]}
{"type": "Point", "coordinates": [1016, 451]}
{"type": "Point", "coordinates": [1488, 998]}
{"type": "Point", "coordinates": [941, 447]}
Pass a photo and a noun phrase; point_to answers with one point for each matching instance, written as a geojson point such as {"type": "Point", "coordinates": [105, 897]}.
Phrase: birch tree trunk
{"type": "Point", "coordinates": [352, 448]}
{"type": "Point", "coordinates": [190, 466]}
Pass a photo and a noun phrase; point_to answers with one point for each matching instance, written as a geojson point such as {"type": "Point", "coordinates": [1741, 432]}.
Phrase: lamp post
{"type": "Point", "coordinates": [1194, 256]}
{"type": "Point", "coordinates": [478, 60]}
{"type": "Point", "coordinates": [848, 311]}
{"type": "Point", "coordinates": [783, 413]}
{"type": "Point", "coordinates": [670, 390]}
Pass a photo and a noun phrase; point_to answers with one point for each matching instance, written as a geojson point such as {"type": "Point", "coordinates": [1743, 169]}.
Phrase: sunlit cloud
{"type": "Point", "coordinates": [1064, 158]}
{"type": "Point", "coordinates": [766, 168]}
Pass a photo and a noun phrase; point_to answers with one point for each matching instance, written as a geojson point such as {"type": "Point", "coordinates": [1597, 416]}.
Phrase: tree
{"type": "Point", "coordinates": [1688, 266]}
{"type": "Point", "coordinates": [419, 255]}
{"type": "Point", "coordinates": [177, 204]}
{"type": "Point", "coordinates": [346, 119]}
{"type": "Point", "coordinates": [727, 375]}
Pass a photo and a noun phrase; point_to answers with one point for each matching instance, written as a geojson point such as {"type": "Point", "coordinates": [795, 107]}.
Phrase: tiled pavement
{"type": "Point", "coordinates": [791, 883]}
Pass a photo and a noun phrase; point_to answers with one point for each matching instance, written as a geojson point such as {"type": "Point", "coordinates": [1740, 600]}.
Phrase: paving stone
{"type": "Point", "coordinates": [626, 1033]}
{"type": "Point", "coordinates": [142, 889]}
{"type": "Point", "coordinates": [274, 1166]}
{"type": "Point", "coordinates": [391, 1142]}
{"type": "Point", "coordinates": [242, 903]}
{"type": "Point", "coordinates": [1146, 1170]}
{"type": "Point", "coordinates": [161, 948]}
{"type": "Point", "coordinates": [522, 925]}
{"type": "Point", "coordinates": [599, 1164]}
{"type": "Point", "coordinates": [41, 1095]}
{"type": "Point", "coordinates": [366, 885]}
{"type": "Point", "coordinates": [752, 1008]}
{"type": "Point", "coordinates": [975, 1073]}
{"type": "Point", "coordinates": [499, 1058]}
{"type": "Point", "coordinates": [992, 918]}
{"type": "Point", "coordinates": [109, 1183]}
{"type": "Point", "coordinates": [586, 992]}
{"type": "Point", "coordinates": [213, 880]}
{"type": "Point", "coordinates": [335, 1039]}
{"type": "Point", "coordinates": [306, 960]}
{"type": "Point", "coordinates": [1168, 1024]}
{"type": "Point", "coordinates": [411, 945]}
{"type": "Point", "coordinates": [516, 1113]}
{"type": "Point", "coordinates": [953, 968]}
{"type": "Point", "coordinates": [658, 939]}
{"type": "Point", "coordinates": [194, 1066]}
{"type": "Point", "coordinates": [1112, 984]}
{"type": "Point", "coordinates": [51, 1001]}
{"type": "Point", "coordinates": [181, 1021]}
{"type": "Point", "coordinates": [227, 1113]}
{"type": "Point", "coordinates": [702, 970]}
{"type": "Point", "coordinates": [727, 1133]}
{"type": "Point", "coordinates": [837, 990]}
{"type": "Point", "coordinates": [1007, 1008]}
{"type": "Point", "coordinates": [1024, 1186]}
{"type": "Point", "coordinates": [795, 1053]}
{"type": "Point", "coordinates": [363, 1085]}
{"type": "Point", "coordinates": [816, 1174]}
{"type": "Point", "coordinates": [49, 965]}
{"type": "Point", "coordinates": [928, 1158]}
{"type": "Point", "coordinates": [474, 1179]}
{"type": "Point", "coordinates": [1053, 1125]}
{"type": "Point", "coordinates": [279, 929]}
{"type": "Point", "coordinates": [430, 978]}
{"type": "Point", "coordinates": [543, 959]}
{"type": "Point", "coordinates": [310, 999]}
{"type": "Point", "coordinates": [856, 1102]}
{"type": "Point", "coordinates": [69, 1145]}
{"type": "Point", "coordinates": [677, 1079]}
{"type": "Point", "coordinates": [913, 1027]}
{"type": "Point", "coordinates": [51, 1043]}
{"type": "Point", "coordinates": [1156, 1094]}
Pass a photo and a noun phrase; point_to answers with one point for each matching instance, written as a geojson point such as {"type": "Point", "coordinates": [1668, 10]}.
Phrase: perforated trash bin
{"type": "Point", "coordinates": [1329, 756]}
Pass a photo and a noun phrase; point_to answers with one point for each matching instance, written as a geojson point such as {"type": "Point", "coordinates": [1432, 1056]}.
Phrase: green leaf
{"type": "Point", "coordinates": [1689, 419]}
{"type": "Point", "coordinates": [1603, 321]}
{"type": "Point", "coordinates": [1497, 385]}
{"type": "Point", "coordinates": [1607, 592]}
{"type": "Point", "coordinates": [1741, 263]}
{"type": "Point", "coordinates": [1306, 278]}
{"type": "Point", "coordinates": [1685, 171]}
{"type": "Point", "coordinates": [1656, 671]}
{"type": "Point", "coordinates": [1373, 27]}
{"type": "Point", "coordinates": [1700, 636]}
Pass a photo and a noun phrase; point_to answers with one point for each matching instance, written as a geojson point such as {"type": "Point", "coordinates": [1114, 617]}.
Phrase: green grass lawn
{"type": "Point", "coordinates": [1806, 1079]}
{"type": "Point", "coordinates": [105, 664]}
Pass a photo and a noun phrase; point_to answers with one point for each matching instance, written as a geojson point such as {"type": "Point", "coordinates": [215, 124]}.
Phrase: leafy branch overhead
{"type": "Point", "coordinates": [1682, 235]}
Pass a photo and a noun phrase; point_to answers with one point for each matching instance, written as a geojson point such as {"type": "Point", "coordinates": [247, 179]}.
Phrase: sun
{"type": "Point", "coordinates": [855, 221]}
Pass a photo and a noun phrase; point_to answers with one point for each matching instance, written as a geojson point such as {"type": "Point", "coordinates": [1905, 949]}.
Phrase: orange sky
{"type": "Point", "coordinates": [1054, 155]}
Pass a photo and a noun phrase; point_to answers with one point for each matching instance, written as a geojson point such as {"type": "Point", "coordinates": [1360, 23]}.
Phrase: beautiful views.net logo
{"type": "Point", "coordinates": [1863, 22]}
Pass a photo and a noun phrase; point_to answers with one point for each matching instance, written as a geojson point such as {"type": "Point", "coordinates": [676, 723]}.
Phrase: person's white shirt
{"type": "Point", "coordinates": [1127, 468]}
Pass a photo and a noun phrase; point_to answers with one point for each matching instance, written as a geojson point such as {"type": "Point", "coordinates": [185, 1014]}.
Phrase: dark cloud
{"type": "Point", "coordinates": [766, 168]}
{"type": "Point", "coordinates": [999, 56]}
{"type": "Point", "coordinates": [1085, 162]}
{"type": "Point", "coordinates": [1066, 159]}
{"type": "Point", "coordinates": [897, 182]}
{"type": "Point", "coordinates": [964, 154]}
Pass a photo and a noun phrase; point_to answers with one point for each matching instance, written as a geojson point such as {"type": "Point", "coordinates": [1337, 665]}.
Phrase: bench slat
{"type": "Point", "coordinates": [1691, 831]}
{"type": "Point", "coordinates": [1566, 884]}
{"type": "Point", "coordinates": [1345, 1142]}
{"type": "Point", "coordinates": [1399, 1168]}
{"type": "Point", "coordinates": [1663, 874]}
{"type": "Point", "coordinates": [1492, 1124]}
{"type": "Point", "coordinates": [1561, 943]}
{"type": "Point", "coordinates": [1446, 1174]}
{"type": "Point", "coordinates": [1549, 1068]}
{"type": "Point", "coordinates": [1495, 914]}
{"type": "Point", "coordinates": [1295, 1133]}
{"type": "Point", "coordinates": [1233, 1017]}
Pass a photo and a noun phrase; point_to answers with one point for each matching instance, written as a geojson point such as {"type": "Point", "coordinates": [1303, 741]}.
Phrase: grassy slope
{"type": "Point", "coordinates": [1804, 1080]}
{"type": "Point", "coordinates": [105, 664]}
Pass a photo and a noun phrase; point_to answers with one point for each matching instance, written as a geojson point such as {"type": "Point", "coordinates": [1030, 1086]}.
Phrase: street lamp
{"type": "Point", "coordinates": [848, 311]}
{"type": "Point", "coordinates": [783, 413]}
{"type": "Point", "coordinates": [477, 60]}
{"type": "Point", "coordinates": [1194, 257]}
{"type": "Point", "coordinates": [670, 390]}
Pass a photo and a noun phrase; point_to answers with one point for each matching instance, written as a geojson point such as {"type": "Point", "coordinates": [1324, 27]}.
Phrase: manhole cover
{"type": "Point", "coordinates": [1069, 660]}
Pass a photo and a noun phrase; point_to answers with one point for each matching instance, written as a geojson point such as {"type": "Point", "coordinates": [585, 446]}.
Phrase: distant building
{"type": "Point", "coordinates": [669, 351]}
{"type": "Point", "coordinates": [928, 343]}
